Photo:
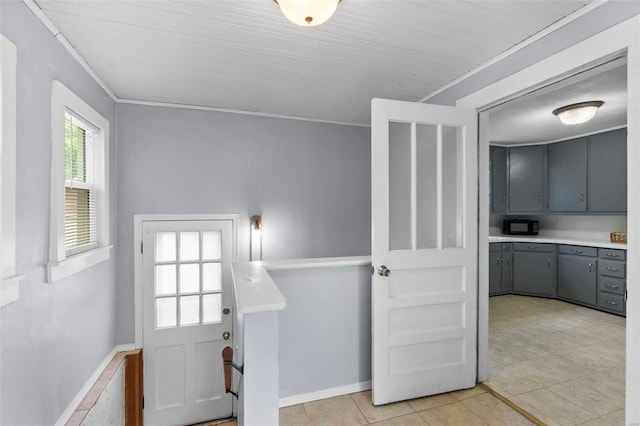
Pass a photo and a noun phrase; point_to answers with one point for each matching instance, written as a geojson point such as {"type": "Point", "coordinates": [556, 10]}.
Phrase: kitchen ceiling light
{"type": "Point", "coordinates": [308, 13]}
{"type": "Point", "coordinates": [578, 113]}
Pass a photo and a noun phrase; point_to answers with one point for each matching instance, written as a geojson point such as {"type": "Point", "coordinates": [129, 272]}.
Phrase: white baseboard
{"type": "Point", "coordinates": [75, 402]}
{"type": "Point", "coordinates": [325, 393]}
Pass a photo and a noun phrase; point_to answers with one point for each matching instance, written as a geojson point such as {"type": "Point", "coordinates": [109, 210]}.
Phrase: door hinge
{"type": "Point", "coordinates": [143, 402]}
{"type": "Point", "coordinates": [141, 247]}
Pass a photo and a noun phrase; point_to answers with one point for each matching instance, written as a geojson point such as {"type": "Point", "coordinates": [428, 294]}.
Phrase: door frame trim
{"type": "Point", "coordinates": [623, 37]}
{"type": "Point", "coordinates": [138, 221]}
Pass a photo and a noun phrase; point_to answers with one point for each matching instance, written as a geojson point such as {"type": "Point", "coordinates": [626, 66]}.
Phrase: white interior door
{"type": "Point", "coordinates": [424, 249]}
{"type": "Point", "coordinates": [186, 288]}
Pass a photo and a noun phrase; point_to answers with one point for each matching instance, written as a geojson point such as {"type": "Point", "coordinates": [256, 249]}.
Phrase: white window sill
{"type": "Point", "coordinates": [9, 289]}
{"type": "Point", "coordinates": [74, 264]}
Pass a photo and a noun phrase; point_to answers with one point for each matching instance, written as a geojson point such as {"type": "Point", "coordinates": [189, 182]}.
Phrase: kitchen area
{"type": "Point", "coordinates": [557, 248]}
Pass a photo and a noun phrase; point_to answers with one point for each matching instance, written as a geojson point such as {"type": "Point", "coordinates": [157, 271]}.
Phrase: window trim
{"type": "Point", "coordinates": [9, 281]}
{"type": "Point", "coordinates": [60, 264]}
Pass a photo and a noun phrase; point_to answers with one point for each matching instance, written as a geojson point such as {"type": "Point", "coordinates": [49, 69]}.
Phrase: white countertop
{"type": "Point", "coordinates": [557, 239]}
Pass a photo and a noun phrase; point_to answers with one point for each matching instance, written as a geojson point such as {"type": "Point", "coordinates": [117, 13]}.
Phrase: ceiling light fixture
{"type": "Point", "coordinates": [578, 113]}
{"type": "Point", "coordinates": [308, 13]}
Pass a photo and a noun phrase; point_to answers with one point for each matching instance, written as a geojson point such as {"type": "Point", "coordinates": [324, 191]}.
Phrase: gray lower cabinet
{"type": "Point", "coordinates": [495, 269]}
{"type": "Point", "coordinates": [608, 172]}
{"type": "Point", "coordinates": [567, 169]}
{"type": "Point", "coordinates": [534, 269]}
{"type": "Point", "coordinates": [500, 269]}
{"type": "Point", "coordinates": [498, 179]}
{"type": "Point", "coordinates": [577, 274]}
{"type": "Point", "coordinates": [612, 274]}
{"type": "Point", "coordinates": [526, 179]}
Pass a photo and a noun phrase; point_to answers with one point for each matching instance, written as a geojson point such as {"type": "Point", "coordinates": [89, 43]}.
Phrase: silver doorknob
{"type": "Point", "coordinates": [226, 335]}
{"type": "Point", "coordinates": [226, 311]}
{"type": "Point", "coordinates": [384, 271]}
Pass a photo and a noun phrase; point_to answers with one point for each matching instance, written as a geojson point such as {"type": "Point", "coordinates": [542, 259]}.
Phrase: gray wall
{"type": "Point", "coordinates": [310, 181]}
{"type": "Point", "coordinates": [598, 20]}
{"type": "Point", "coordinates": [325, 330]}
{"type": "Point", "coordinates": [55, 336]}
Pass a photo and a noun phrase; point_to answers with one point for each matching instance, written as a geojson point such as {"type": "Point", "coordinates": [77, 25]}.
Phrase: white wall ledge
{"type": "Point", "coordinates": [255, 291]}
{"type": "Point", "coordinates": [318, 262]}
{"type": "Point", "coordinates": [76, 263]}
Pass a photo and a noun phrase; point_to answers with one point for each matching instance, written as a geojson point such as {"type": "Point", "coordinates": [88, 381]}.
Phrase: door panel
{"type": "Point", "coordinates": [186, 283]}
{"type": "Point", "coordinates": [424, 208]}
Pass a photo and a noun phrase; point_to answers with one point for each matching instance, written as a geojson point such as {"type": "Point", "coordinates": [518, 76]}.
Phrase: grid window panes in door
{"type": "Point", "coordinates": [188, 278]}
{"type": "Point", "coordinates": [80, 225]}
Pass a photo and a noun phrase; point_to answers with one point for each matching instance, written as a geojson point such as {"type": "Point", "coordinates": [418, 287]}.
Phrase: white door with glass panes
{"type": "Point", "coordinates": [187, 302]}
{"type": "Point", "coordinates": [424, 249]}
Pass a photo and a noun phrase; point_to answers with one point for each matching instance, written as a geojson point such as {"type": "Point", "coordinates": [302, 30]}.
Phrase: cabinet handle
{"type": "Point", "coordinates": [576, 251]}
{"type": "Point", "coordinates": [614, 287]}
{"type": "Point", "coordinates": [581, 197]}
{"type": "Point", "coordinates": [612, 255]}
{"type": "Point", "coordinates": [533, 248]}
{"type": "Point", "coordinates": [609, 302]}
{"type": "Point", "coordinates": [539, 198]}
{"type": "Point", "coordinates": [508, 261]}
{"type": "Point", "coordinates": [612, 269]}
{"type": "Point", "coordinates": [590, 266]}
{"type": "Point", "coordinates": [548, 263]}
{"type": "Point", "coordinates": [498, 261]}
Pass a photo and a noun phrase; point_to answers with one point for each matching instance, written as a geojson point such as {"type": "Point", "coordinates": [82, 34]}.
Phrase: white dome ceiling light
{"type": "Point", "coordinates": [578, 113]}
{"type": "Point", "coordinates": [308, 13]}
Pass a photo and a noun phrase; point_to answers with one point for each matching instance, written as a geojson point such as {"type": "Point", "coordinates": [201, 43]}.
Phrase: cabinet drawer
{"type": "Point", "coordinates": [613, 254]}
{"type": "Point", "coordinates": [494, 246]}
{"type": "Point", "coordinates": [534, 247]}
{"type": "Point", "coordinates": [611, 285]}
{"type": "Point", "coordinates": [506, 247]}
{"type": "Point", "coordinates": [611, 268]}
{"type": "Point", "coordinates": [578, 250]}
{"type": "Point", "coordinates": [611, 302]}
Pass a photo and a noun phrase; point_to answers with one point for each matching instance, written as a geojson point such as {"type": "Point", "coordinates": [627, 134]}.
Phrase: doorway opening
{"type": "Point", "coordinates": [557, 333]}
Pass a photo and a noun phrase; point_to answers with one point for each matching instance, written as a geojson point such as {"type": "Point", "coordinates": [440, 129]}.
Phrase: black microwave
{"type": "Point", "coordinates": [520, 227]}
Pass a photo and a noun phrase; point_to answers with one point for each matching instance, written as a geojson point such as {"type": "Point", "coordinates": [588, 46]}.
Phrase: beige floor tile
{"type": "Point", "coordinates": [454, 414]}
{"type": "Point", "coordinates": [616, 418]}
{"type": "Point", "coordinates": [294, 415]}
{"type": "Point", "coordinates": [408, 420]}
{"type": "Point", "coordinates": [494, 412]}
{"type": "Point", "coordinates": [339, 411]}
{"type": "Point", "coordinates": [431, 401]}
{"type": "Point", "coordinates": [586, 393]}
{"type": "Point", "coordinates": [382, 412]}
{"type": "Point", "coordinates": [553, 409]}
{"type": "Point", "coordinates": [467, 393]}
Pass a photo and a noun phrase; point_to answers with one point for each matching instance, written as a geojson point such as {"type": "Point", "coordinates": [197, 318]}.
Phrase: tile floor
{"type": "Point", "coordinates": [465, 408]}
{"type": "Point", "coordinates": [563, 363]}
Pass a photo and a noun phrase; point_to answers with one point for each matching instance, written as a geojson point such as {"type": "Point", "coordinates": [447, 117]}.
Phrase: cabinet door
{"type": "Point", "coordinates": [526, 179]}
{"type": "Point", "coordinates": [577, 279]}
{"type": "Point", "coordinates": [608, 171]}
{"type": "Point", "coordinates": [498, 179]}
{"type": "Point", "coordinates": [495, 271]}
{"type": "Point", "coordinates": [534, 273]}
{"type": "Point", "coordinates": [507, 271]}
{"type": "Point", "coordinates": [567, 168]}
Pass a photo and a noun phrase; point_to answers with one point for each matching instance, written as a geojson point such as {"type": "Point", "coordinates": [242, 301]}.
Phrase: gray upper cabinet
{"type": "Point", "coordinates": [608, 171]}
{"type": "Point", "coordinates": [526, 179]}
{"type": "Point", "coordinates": [567, 168]}
{"type": "Point", "coordinates": [498, 179]}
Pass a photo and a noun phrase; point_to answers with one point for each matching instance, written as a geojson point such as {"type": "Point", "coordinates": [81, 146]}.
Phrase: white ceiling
{"type": "Point", "coordinates": [245, 55]}
{"type": "Point", "coordinates": [529, 119]}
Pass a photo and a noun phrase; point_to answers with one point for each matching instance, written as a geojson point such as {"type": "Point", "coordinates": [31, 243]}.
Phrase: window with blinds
{"type": "Point", "coordinates": [80, 218]}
